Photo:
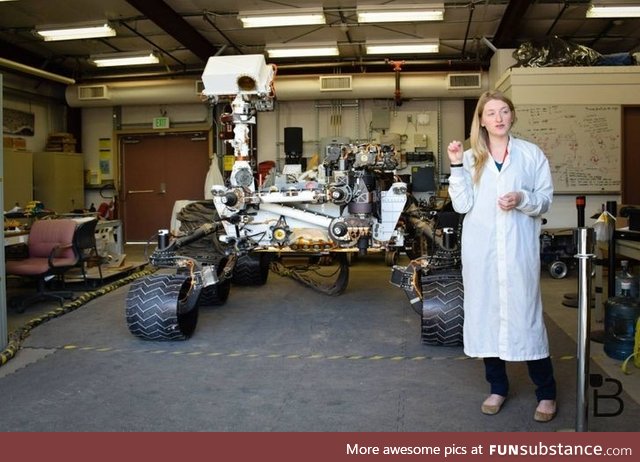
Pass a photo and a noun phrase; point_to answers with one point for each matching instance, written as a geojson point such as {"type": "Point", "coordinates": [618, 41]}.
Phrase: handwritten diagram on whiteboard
{"type": "Point", "coordinates": [582, 144]}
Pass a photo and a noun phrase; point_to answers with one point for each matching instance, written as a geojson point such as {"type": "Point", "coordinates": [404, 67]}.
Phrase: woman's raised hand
{"type": "Point", "coordinates": [455, 151]}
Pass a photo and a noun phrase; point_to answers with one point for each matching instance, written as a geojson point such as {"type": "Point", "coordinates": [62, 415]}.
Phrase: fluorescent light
{"type": "Point", "coordinates": [75, 31]}
{"type": "Point", "coordinates": [400, 13]}
{"type": "Point", "coordinates": [381, 47]}
{"type": "Point", "coordinates": [124, 59]}
{"type": "Point", "coordinates": [276, 18]}
{"type": "Point", "coordinates": [285, 50]}
{"type": "Point", "coordinates": [613, 11]}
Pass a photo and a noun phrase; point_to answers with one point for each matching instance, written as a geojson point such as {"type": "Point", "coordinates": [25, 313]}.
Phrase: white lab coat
{"type": "Point", "coordinates": [501, 254]}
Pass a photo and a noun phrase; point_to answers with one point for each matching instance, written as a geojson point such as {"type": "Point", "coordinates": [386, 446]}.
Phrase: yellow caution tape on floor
{"type": "Point", "coordinates": [17, 336]}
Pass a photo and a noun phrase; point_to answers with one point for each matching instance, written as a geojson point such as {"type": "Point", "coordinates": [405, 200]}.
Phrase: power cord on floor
{"type": "Point", "coordinates": [17, 336]}
{"type": "Point", "coordinates": [331, 284]}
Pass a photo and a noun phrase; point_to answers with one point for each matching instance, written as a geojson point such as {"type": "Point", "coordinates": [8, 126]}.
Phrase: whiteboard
{"type": "Point", "coordinates": [582, 144]}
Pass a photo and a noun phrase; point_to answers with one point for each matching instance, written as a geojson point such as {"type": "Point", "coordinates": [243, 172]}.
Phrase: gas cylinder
{"type": "Point", "coordinates": [620, 317]}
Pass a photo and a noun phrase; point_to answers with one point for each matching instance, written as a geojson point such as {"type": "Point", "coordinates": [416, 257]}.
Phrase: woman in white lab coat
{"type": "Point", "coordinates": [503, 184]}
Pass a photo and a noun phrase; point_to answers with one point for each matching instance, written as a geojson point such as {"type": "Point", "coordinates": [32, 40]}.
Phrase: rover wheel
{"type": "Point", "coordinates": [216, 294]}
{"type": "Point", "coordinates": [162, 307]}
{"type": "Point", "coordinates": [252, 269]}
{"type": "Point", "coordinates": [391, 257]}
{"type": "Point", "coordinates": [419, 246]}
{"type": "Point", "coordinates": [442, 309]}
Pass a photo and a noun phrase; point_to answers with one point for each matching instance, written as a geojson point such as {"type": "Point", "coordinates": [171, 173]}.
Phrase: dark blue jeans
{"type": "Point", "coordinates": [540, 371]}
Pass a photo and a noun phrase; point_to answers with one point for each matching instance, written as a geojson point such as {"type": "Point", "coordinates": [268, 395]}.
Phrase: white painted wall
{"type": "Point", "coordinates": [573, 85]}
{"type": "Point", "coordinates": [320, 120]}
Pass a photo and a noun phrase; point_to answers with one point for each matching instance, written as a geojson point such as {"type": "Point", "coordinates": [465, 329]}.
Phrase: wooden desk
{"type": "Point", "coordinates": [627, 247]}
{"type": "Point", "coordinates": [628, 243]}
{"type": "Point", "coordinates": [15, 237]}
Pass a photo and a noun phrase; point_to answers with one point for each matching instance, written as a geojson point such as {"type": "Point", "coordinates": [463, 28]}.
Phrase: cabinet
{"type": "Point", "coordinates": [58, 180]}
{"type": "Point", "coordinates": [18, 178]}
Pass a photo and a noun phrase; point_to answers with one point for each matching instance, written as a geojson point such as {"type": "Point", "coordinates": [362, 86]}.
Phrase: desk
{"type": "Point", "coordinates": [629, 249]}
{"type": "Point", "coordinates": [15, 237]}
{"type": "Point", "coordinates": [628, 243]}
{"type": "Point", "coordinates": [627, 246]}
{"type": "Point", "coordinates": [108, 234]}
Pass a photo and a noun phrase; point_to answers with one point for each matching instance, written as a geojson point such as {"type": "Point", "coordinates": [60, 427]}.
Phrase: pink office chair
{"type": "Point", "coordinates": [51, 254]}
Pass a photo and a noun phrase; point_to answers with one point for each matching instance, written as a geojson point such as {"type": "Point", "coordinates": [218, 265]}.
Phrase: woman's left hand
{"type": "Point", "coordinates": [510, 200]}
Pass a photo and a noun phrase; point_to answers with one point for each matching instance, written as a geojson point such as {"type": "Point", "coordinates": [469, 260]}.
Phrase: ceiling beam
{"type": "Point", "coordinates": [176, 26]}
{"type": "Point", "coordinates": [505, 36]}
{"type": "Point", "coordinates": [18, 54]}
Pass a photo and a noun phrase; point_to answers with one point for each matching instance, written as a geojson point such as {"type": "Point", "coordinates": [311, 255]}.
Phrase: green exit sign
{"type": "Point", "coordinates": [160, 122]}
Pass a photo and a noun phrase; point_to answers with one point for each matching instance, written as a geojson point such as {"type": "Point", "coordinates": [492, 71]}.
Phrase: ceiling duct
{"type": "Point", "coordinates": [288, 88]}
{"type": "Point", "coordinates": [92, 92]}
{"type": "Point", "coordinates": [380, 85]}
{"type": "Point", "coordinates": [464, 81]}
{"type": "Point", "coordinates": [335, 83]}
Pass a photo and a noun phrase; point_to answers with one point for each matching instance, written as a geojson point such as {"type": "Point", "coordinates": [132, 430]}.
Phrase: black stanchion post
{"type": "Point", "coordinates": [581, 201]}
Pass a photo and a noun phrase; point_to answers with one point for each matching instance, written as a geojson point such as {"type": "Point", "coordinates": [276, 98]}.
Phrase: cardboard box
{"type": "Point", "coordinates": [13, 142]}
{"type": "Point", "coordinates": [19, 144]}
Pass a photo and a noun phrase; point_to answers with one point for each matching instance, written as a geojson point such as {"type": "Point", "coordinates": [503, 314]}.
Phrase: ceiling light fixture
{"type": "Point", "coordinates": [400, 13]}
{"type": "Point", "coordinates": [613, 10]}
{"type": "Point", "coordinates": [382, 47]}
{"type": "Point", "coordinates": [124, 59]}
{"type": "Point", "coordinates": [276, 18]}
{"type": "Point", "coordinates": [286, 50]}
{"type": "Point", "coordinates": [75, 31]}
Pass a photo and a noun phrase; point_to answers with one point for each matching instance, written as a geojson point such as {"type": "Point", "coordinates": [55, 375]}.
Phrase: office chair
{"type": "Point", "coordinates": [86, 247]}
{"type": "Point", "coordinates": [51, 254]}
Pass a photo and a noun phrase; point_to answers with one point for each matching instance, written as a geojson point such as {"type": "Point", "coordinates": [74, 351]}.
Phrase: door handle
{"type": "Point", "coordinates": [140, 191]}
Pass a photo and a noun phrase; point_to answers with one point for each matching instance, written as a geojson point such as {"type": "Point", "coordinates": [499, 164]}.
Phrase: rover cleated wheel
{"type": "Point", "coordinates": [442, 309]}
{"type": "Point", "coordinates": [162, 307]}
{"type": "Point", "coordinates": [417, 247]}
{"type": "Point", "coordinates": [252, 269]}
{"type": "Point", "coordinates": [216, 294]}
{"type": "Point", "coordinates": [391, 257]}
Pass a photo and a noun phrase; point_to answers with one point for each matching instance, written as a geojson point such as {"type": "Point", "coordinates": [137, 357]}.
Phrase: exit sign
{"type": "Point", "coordinates": [160, 122]}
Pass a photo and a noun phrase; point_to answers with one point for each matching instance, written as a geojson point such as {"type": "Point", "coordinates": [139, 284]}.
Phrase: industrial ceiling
{"type": "Point", "coordinates": [186, 32]}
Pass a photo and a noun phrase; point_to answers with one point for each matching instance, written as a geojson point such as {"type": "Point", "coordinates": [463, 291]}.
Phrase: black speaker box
{"type": "Point", "coordinates": [293, 140]}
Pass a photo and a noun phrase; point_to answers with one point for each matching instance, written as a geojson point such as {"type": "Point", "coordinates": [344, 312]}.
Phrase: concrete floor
{"type": "Point", "coordinates": [283, 357]}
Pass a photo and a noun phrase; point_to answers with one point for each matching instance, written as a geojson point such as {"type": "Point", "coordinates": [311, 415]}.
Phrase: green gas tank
{"type": "Point", "coordinates": [620, 317]}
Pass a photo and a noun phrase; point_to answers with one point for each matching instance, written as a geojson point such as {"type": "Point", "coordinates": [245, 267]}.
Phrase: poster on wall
{"type": "Point", "coordinates": [18, 123]}
{"type": "Point", "coordinates": [105, 158]}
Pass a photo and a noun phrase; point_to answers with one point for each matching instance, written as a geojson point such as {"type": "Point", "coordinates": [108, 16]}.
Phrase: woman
{"type": "Point", "coordinates": [503, 185]}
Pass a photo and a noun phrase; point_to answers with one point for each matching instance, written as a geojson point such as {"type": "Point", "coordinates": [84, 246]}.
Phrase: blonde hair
{"type": "Point", "coordinates": [479, 136]}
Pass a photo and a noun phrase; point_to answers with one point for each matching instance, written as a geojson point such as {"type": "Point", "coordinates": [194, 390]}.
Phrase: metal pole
{"type": "Point", "coordinates": [612, 208]}
{"type": "Point", "coordinates": [3, 293]}
{"type": "Point", "coordinates": [583, 238]}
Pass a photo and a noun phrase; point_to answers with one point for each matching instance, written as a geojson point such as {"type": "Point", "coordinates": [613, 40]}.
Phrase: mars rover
{"type": "Point", "coordinates": [353, 202]}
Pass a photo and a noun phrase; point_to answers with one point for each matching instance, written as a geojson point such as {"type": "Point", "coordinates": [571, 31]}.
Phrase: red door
{"type": "Point", "coordinates": [630, 156]}
{"type": "Point", "coordinates": [157, 171]}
